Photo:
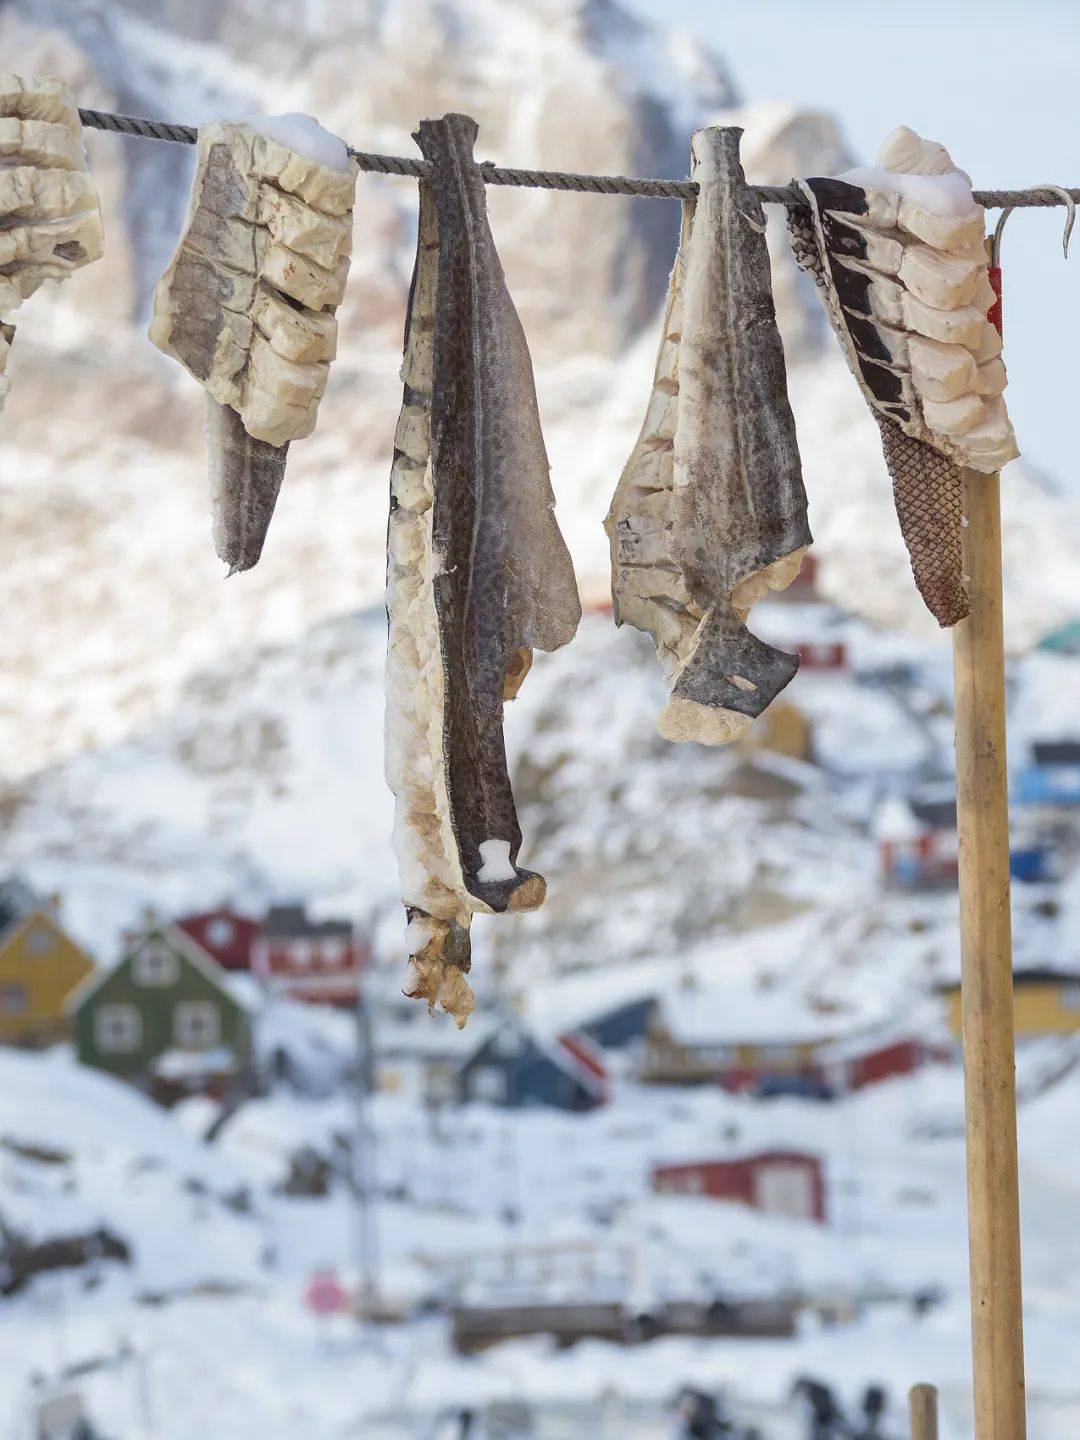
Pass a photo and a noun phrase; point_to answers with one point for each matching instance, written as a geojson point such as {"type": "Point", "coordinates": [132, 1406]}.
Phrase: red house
{"type": "Point", "coordinates": [864, 1060]}
{"type": "Point", "coordinates": [226, 936]}
{"type": "Point", "coordinates": [777, 1182]}
{"type": "Point", "coordinates": [917, 843]}
{"type": "Point", "coordinates": [319, 961]}
{"type": "Point", "coordinates": [822, 654]}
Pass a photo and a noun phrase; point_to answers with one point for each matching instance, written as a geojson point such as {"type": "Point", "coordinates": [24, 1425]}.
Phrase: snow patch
{"type": "Point", "coordinates": [305, 136]}
{"type": "Point", "coordinates": [495, 862]}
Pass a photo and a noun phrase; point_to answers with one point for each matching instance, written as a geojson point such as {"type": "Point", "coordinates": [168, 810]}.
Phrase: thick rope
{"type": "Point", "coordinates": [552, 179]}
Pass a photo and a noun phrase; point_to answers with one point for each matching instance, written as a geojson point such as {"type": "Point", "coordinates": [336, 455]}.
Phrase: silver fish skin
{"type": "Point", "coordinates": [710, 512]}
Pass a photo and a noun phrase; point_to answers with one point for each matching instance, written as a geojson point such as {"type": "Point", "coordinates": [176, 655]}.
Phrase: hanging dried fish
{"type": "Point", "coordinates": [247, 305]}
{"type": "Point", "coordinates": [50, 218]}
{"type": "Point", "coordinates": [898, 253]}
{"type": "Point", "coordinates": [710, 512]}
{"type": "Point", "coordinates": [477, 576]}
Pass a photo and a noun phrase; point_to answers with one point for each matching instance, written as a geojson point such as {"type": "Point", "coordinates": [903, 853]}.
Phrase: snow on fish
{"type": "Point", "coordinates": [898, 254]}
{"type": "Point", "coordinates": [247, 305]}
{"type": "Point", "coordinates": [478, 575]}
{"type": "Point", "coordinates": [50, 217]}
{"type": "Point", "coordinates": [710, 511]}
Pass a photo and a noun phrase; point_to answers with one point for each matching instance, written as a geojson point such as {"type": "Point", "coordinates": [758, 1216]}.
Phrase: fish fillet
{"type": "Point", "coordinates": [710, 511]}
{"type": "Point", "coordinates": [478, 575]}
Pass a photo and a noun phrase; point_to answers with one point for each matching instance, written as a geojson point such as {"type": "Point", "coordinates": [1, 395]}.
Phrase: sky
{"type": "Point", "coordinates": [994, 82]}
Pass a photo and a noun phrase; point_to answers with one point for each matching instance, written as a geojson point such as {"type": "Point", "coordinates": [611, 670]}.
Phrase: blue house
{"type": "Point", "coordinates": [623, 1024]}
{"type": "Point", "coordinates": [1052, 777]}
{"type": "Point", "coordinates": [516, 1069]}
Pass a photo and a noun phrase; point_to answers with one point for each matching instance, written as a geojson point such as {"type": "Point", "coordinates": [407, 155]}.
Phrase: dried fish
{"type": "Point", "coordinates": [478, 575]}
{"type": "Point", "coordinates": [50, 218]}
{"type": "Point", "coordinates": [710, 511]}
{"type": "Point", "coordinates": [247, 305]}
{"type": "Point", "coordinates": [897, 251]}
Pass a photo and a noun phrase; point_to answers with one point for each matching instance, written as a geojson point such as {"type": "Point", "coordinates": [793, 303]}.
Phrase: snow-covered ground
{"type": "Point", "coordinates": [213, 1297]}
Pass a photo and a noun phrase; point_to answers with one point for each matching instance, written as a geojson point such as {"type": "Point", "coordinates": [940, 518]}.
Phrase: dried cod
{"type": "Point", "coordinates": [247, 305]}
{"type": "Point", "coordinates": [50, 218]}
{"type": "Point", "coordinates": [710, 512]}
{"type": "Point", "coordinates": [478, 576]}
{"type": "Point", "coordinates": [898, 253]}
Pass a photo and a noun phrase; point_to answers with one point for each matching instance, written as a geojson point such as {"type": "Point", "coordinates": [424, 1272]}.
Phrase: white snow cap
{"type": "Point", "coordinates": [304, 135]}
{"type": "Point", "coordinates": [495, 855]}
{"type": "Point", "coordinates": [919, 170]}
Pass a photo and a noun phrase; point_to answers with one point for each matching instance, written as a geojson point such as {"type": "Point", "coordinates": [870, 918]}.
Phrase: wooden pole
{"type": "Point", "coordinates": [922, 1404]}
{"type": "Point", "coordinates": [986, 978]}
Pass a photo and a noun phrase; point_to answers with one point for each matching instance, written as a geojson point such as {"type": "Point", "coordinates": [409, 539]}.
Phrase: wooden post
{"type": "Point", "coordinates": [922, 1403]}
{"type": "Point", "coordinates": [986, 978]}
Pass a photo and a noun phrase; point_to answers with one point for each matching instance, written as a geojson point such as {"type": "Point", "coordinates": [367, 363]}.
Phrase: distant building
{"type": "Point", "coordinates": [224, 934]}
{"type": "Point", "coordinates": [804, 587]}
{"type": "Point", "coordinates": [783, 729]}
{"type": "Point", "coordinates": [1052, 777]}
{"type": "Point", "coordinates": [917, 843]}
{"type": "Point", "coordinates": [1046, 1002]}
{"type": "Point", "coordinates": [1033, 864]}
{"type": "Point", "coordinates": [319, 961]}
{"type": "Point", "coordinates": [743, 1041]}
{"type": "Point", "coordinates": [514, 1068]}
{"type": "Point", "coordinates": [822, 655]}
{"type": "Point", "coordinates": [863, 1060]}
{"type": "Point", "coordinates": [40, 966]}
{"type": "Point", "coordinates": [777, 1182]}
{"type": "Point", "coordinates": [621, 1025]}
{"type": "Point", "coordinates": [164, 1019]}
{"type": "Point", "coordinates": [1063, 641]}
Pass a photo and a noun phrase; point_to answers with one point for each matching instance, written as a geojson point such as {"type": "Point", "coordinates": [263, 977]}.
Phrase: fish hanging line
{"type": "Point", "coordinates": [1039, 196]}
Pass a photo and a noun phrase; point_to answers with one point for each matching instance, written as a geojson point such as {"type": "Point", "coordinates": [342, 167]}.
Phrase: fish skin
{"type": "Point", "coordinates": [710, 511]}
{"type": "Point", "coordinates": [737, 468]}
{"type": "Point", "coordinates": [245, 479]}
{"type": "Point", "coordinates": [506, 580]}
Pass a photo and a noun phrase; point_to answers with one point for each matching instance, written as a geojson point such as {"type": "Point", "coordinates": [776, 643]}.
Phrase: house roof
{"type": "Point", "coordinates": [737, 1155]}
{"type": "Point", "coordinates": [1056, 752]}
{"type": "Point", "coordinates": [1032, 975]}
{"type": "Point", "coordinates": [190, 949]}
{"type": "Point", "coordinates": [291, 922]}
{"type": "Point", "coordinates": [742, 1015]}
{"type": "Point", "coordinates": [937, 814]}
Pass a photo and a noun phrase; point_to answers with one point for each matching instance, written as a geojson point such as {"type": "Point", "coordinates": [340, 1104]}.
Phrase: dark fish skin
{"type": "Point", "coordinates": [245, 478]}
{"type": "Point", "coordinates": [725, 648]}
{"type": "Point", "coordinates": [738, 473]}
{"type": "Point", "coordinates": [506, 581]}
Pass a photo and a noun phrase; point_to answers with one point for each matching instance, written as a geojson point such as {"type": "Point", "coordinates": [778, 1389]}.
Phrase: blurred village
{"type": "Point", "coordinates": [215, 1013]}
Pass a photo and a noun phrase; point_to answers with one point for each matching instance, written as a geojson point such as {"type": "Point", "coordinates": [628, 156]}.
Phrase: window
{"type": "Point", "coordinates": [219, 932]}
{"type": "Point", "coordinates": [40, 941]}
{"type": "Point", "coordinates": [508, 1041]}
{"type": "Point", "coordinates": [301, 952]}
{"type": "Point", "coordinates": [13, 1000]}
{"type": "Point", "coordinates": [156, 965]}
{"type": "Point", "coordinates": [197, 1024]}
{"type": "Point", "coordinates": [487, 1082]}
{"type": "Point", "coordinates": [118, 1029]}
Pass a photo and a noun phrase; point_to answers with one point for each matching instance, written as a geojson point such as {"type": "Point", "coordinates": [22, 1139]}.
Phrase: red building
{"type": "Point", "coordinates": [822, 654]}
{"type": "Point", "coordinates": [226, 936]}
{"type": "Point", "coordinates": [864, 1060]}
{"type": "Point", "coordinates": [917, 844]}
{"type": "Point", "coordinates": [777, 1182]}
{"type": "Point", "coordinates": [319, 961]}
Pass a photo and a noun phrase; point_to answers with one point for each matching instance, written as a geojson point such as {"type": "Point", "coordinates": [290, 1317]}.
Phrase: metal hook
{"type": "Point", "coordinates": [1070, 204]}
{"type": "Point", "coordinates": [995, 241]}
{"type": "Point", "coordinates": [1070, 221]}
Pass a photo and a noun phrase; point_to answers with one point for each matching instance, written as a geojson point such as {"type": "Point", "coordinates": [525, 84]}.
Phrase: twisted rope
{"type": "Point", "coordinates": [785, 195]}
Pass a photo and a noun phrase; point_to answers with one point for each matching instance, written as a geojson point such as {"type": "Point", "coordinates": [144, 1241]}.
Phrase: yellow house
{"type": "Point", "coordinates": [39, 968]}
{"type": "Point", "coordinates": [1047, 1002]}
{"type": "Point", "coordinates": [784, 729]}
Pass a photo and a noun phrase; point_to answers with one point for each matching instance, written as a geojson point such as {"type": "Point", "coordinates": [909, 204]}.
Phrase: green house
{"type": "Point", "coordinates": [163, 1018]}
